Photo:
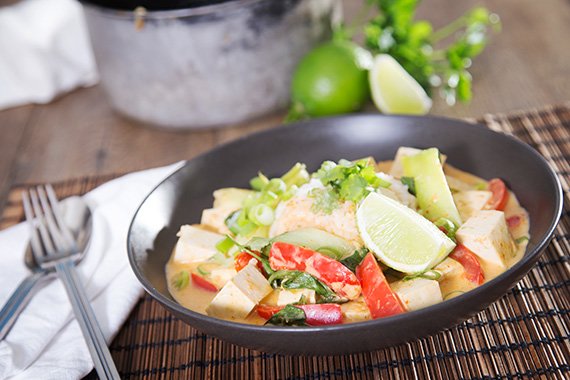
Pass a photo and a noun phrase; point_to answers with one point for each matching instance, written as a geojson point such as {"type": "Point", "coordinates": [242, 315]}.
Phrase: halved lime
{"type": "Point", "coordinates": [399, 237]}
{"type": "Point", "coordinates": [394, 90]}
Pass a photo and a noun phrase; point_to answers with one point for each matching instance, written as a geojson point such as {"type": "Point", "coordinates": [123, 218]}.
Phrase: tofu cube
{"type": "Point", "coordinates": [240, 295]}
{"type": "Point", "coordinates": [471, 201]}
{"type": "Point", "coordinates": [417, 293]}
{"type": "Point", "coordinates": [397, 170]}
{"type": "Point", "coordinates": [355, 311]}
{"type": "Point", "coordinates": [486, 234]}
{"type": "Point", "coordinates": [282, 297]}
{"type": "Point", "coordinates": [215, 219]}
{"type": "Point", "coordinates": [195, 244]}
{"type": "Point", "coordinates": [221, 276]}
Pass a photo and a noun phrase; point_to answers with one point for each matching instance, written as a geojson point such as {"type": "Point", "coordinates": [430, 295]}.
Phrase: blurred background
{"type": "Point", "coordinates": [108, 87]}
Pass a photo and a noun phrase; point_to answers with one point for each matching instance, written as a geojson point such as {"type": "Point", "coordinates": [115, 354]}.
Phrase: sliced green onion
{"type": "Point", "coordinates": [181, 280]}
{"type": "Point", "coordinates": [276, 185]}
{"type": "Point", "coordinates": [455, 292]}
{"type": "Point", "coordinates": [289, 193]}
{"type": "Point", "coordinates": [225, 245]}
{"type": "Point", "coordinates": [238, 223]}
{"type": "Point", "coordinates": [383, 183]}
{"type": "Point", "coordinates": [262, 215]}
{"type": "Point", "coordinates": [259, 182]}
{"type": "Point", "coordinates": [428, 275]}
{"type": "Point", "coordinates": [449, 227]}
{"type": "Point", "coordinates": [481, 186]}
{"type": "Point", "coordinates": [522, 239]}
{"type": "Point", "coordinates": [202, 271]}
{"type": "Point", "coordinates": [297, 175]}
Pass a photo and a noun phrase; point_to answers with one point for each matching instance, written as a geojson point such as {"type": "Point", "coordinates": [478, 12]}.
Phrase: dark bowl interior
{"type": "Point", "coordinates": [153, 5]}
{"type": "Point", "coordinates": [181, 197]}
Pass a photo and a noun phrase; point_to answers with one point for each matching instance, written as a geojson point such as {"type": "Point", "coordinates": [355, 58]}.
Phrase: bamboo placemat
{"type": "Point", "coordinates": [525, 334]}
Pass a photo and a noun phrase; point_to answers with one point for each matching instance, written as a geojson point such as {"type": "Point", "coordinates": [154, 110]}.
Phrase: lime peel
{"type": "Point", "coordinates": [394, 90]}
{"type": "Point", "coordinates": [399, 237]}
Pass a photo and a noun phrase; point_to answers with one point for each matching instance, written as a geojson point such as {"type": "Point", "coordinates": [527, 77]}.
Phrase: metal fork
{"type": "Point", "coordinates": [53, 246]}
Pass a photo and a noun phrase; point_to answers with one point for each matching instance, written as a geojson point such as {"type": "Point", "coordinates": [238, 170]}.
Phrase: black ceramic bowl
{"type": "Point", "coordinates": [182, 196]}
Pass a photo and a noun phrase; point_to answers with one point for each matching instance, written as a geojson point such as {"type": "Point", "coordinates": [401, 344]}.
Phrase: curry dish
{"type": "Point", "coordinates": [353, 241]}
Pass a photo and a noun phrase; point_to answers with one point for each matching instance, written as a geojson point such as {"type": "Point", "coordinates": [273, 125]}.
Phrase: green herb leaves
{"type": "Point", "coordinates": [421, 50]}
{"type": "Point", "coordinates": [345, 181]}
{"type": "Point", "coordinates": [292, 279]}
{"type": "Point", "coordinates": [180, 280]}
{"type": "Point", "coordinates": [352, 261]}
{"type": "Point", "coordinates": [288, 316]}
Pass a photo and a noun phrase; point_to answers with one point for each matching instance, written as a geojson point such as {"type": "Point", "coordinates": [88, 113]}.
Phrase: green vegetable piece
{"type": "Point", "coordinates": [259, 182]}
{"type": "Point", "coordinates": [261, 214]}
{"type": "Point", "coordinates": [292, 279]}
{"type": "Point", "coordinates": [352, 261]}
{"type": "Point", "coordinates": [409, 181]}
{"type": "Point", "coordinates": [297, 175]}
{"type": "Point", "coordinates": [238, 223]}
{"type": "Point", "coordinates": [225, 245]}
{"type": "Point", "coordinates": [428, 275]}
{"type": "Point", "coordinates": [317, 240]}
{"type": "Point", "coordinates": [202, 271]}
{"type": "Point", "coordinates": [432, 192]}
{"type": "Point", "coordinates": [449, 227]}
{"type": "Point", "coordinates": [181, 280]}
{"type": "Point", "coordinates": [522, 239]}
{"type": "Point", "coordinates": [288, 316]}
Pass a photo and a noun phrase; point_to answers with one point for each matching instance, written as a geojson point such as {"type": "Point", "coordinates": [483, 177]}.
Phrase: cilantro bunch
{"type": "Point", "coordinates": [345, 181]}
{"type": "Point", "coordinates": [440, 58]}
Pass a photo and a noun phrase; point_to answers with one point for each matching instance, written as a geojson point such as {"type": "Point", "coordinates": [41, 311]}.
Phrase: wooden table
{"type": "Point", "coordinates": [526, 65]}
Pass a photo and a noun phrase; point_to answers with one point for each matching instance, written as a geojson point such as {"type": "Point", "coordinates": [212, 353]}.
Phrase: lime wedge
{"type": "Point", "coordinates": [394, 90]}
{"type": "Point", "coordinates": [400, 238]}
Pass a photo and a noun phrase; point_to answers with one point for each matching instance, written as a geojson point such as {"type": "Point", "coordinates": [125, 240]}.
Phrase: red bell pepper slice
{"type": "Point", "coordinates": [468, 259]}
{"type": "Point", "coordinates": [331, 272]}
{"type": "Point", "coordinates": [500, 195]}
{"type": "Point", "coordinates": [201, 282]}
{"type": "Point", "coordinates": [267, 311]}
{"type": "Point", "coordinates": [378, 295]}
{"type": "Point", "coordinates": [243, 258]}
{"type": "Point", "coordinates": [322, 314]}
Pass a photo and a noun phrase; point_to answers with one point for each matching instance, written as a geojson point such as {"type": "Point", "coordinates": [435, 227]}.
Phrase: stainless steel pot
{"type": "Point", "coordinates": [205, 66]}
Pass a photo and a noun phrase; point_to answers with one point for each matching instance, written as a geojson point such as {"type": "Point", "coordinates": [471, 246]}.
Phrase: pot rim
{"type": "Point", "coordinates": [230, 5]}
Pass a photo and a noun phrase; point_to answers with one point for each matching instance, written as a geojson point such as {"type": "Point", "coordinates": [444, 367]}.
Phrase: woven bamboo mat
{"type": "Point", "coordinates": [525, 334]}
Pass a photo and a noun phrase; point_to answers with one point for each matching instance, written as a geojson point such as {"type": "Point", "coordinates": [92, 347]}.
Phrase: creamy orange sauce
{"type": "Point", "coordinates": [198, 299]}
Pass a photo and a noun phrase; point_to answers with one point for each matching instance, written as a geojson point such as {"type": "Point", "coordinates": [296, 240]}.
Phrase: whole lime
{"type": "Point", "coordinates": [331, 79]}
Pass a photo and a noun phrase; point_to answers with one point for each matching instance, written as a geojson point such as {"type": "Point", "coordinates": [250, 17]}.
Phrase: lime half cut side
{"type": "Point", "coordinates": [400, 238]}
{"type": "Point", "coordinates": [394, 90]}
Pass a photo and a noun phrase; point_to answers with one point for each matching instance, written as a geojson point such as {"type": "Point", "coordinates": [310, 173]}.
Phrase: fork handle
{"type": "Point", "coordinates": [86, 318]}
{"type": "Point", "coordinates": [18, 301]}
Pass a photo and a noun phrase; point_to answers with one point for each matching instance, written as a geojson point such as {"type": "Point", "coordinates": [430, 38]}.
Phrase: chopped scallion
{"type": "Point", "coordinates": [181, 280]}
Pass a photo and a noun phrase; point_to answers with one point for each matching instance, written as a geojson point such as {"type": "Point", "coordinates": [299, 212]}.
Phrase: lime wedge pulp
{"type": "Point", "coordinates": [399, 237]}
{"type": "Point", "coordinates": [394, 90]}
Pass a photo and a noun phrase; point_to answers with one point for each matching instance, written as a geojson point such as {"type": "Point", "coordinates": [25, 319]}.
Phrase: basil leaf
{"type": "Point", "coordinates": [288, 316]}
{"type": "Point", "coordinates": [293, 279]}
{"type": "Point", "coordinates": [352, 261]}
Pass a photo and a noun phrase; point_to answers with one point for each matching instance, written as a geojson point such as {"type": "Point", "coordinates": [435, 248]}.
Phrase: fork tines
{"type": "Point", "coordinates": [50, 238]}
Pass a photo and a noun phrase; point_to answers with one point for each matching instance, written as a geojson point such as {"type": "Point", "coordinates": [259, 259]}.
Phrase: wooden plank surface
{"type": "Point", "coordinates": [526, 65]}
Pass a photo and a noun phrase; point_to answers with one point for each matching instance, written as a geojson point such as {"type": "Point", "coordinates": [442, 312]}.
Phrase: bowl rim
{"type": "Point", "coordinates": [529, 258]}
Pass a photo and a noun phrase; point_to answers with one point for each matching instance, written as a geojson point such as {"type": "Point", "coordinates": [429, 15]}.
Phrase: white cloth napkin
{"type": "Point", "coordinates": [46, 341]}
{"type": "Point", "coordinates": [45, 51]}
